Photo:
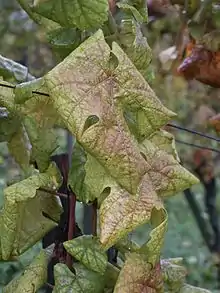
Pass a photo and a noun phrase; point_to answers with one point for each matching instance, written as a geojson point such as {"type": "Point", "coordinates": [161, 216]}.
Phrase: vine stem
{"type": "Point", "coordinates": [53, 192]}
{"type": "Point", "coordinates": [50, 285]}
{"type": "Point", "coordinates": [94, 218]}
{"type": "Point", "coordinates": [71, 203]}
{"type": "Point", "coordinates": [72, 225]}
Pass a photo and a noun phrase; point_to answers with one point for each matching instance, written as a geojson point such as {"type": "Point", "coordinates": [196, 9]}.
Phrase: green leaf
{"type": "Point", "coordinates": [138, 8]}
{"type": "Point", "coordinates": [39, 117]}
{"type": "Point", "coordinates": [196, 30]}
{"type": "Point", "coordinates": [152, 248]}
{"type": "Point", "coordinates": [133, 11]}
{"type": "Point", "coordinates": [87, 177]}
{"type": "Point", "coordinates": [27, 215]}
{"type": "Point", "coordinates": [85, 281]}
{"type": "Point", "coordinates": [18, 146]}
{"type": "Point", "coordinates": [83, 14]}
{"type": "Point", "coordinates": [135, 45]}
{"type": "Point", "coordinates": [88, 251]}
{"type": "Point", "coordinates": [14, 71]}
{"type": "Point", "coordinates": [9, 125]}
{"type": "Point", "coordinates": [111, 276]}
{"type": "Point", "coordinates": [138, 276]}
{"type": "Point", "coordinates": [64, 40]}
{"type": "Point", "coordinates": [44, 142]}
{"type": "Point", "coordinates": [34, 276]}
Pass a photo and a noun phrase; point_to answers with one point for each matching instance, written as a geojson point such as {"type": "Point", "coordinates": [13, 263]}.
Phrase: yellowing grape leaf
{"type": "Point", "coordinates": [121, 212]}
{"type": "Point", "coordinates": [138, 276]}
{"type": "Point", "coordinates": [167, 175]}
{"type": "Point", "coordinates": [88, 250]}
{"type": "Point", "coordinates": [85, 85]}
{"type": "Point", "coordinates": [26, 215]}
{"type": "Point", "coordinates": [85, 281]}
{"type": "Point", "coordinates": [34, 276]}
{"type": "Point", "coordinates": [83, 14]}
{"type": "Point", "coordinates": [165, 141]}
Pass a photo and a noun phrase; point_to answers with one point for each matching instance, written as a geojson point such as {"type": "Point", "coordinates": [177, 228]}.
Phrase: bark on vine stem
{"type": "Point", "coordinates": [71, 203]}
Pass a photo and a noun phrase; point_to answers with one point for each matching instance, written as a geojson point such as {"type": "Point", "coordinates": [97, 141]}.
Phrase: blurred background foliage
{"type": "Point", "coordinates": [194, 102]}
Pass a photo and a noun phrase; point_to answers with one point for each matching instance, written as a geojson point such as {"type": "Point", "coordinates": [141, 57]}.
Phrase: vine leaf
{"type": "Point", "coordinates": [83, 86]}
{"type": "Point", "coordinates": [111, 276]}
{"type": "Point", "coordinates": [9, 124]}
{"type": "Point", "coordinates": [142, 271]}
{"type": "Point", "coordinates": [84, 14]}
{"type": "Point", "coordinates": [165, 141]}
{"type": "Point", "coordinates": [138, 276]}
{"type": "Point", "coordinates": [43, 140]}
{"type": "Point", "coordinates": [121, 212]}
{"type": "Point", "coordinates": [167, 175]}
{"type": "Point", "coordinates": [7, 95]}
{"type": "Point", "coordinates": [39, 117]}
{"type": "Point", "coordinates": [34, 276]}
{"type": "Point", "coordinates": [173, 274]}
{"type": "Point", "coordinates": [151, 249]}
{"type": "Point", "coordinates": [13, 132]}
{"type": "Point", "coordinates": [18, 146]}
{"type": "Point", "coordinates": [87, 177]}
{"type": "Point", "coordinates": [135, 45]}
{"type": "Point", "coordinates": [88, 250]}
{"type": "Point", "coordinates": [64, 40]}
{"type": "Point", "coordinates": [26, 215]}
{"type": "Point", "coordinates": [129, 9]}
{"type": "Point", "coordinates": [85, 281]}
